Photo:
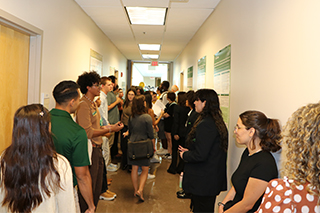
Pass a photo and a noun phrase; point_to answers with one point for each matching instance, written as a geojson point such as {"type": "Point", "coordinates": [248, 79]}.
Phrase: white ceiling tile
{"type": "Point", "coordinates": [146, 3]}
{"type": "Point", "coordinates": [98, 3]}
{"type": "Point", "coordinates": [148, 34]}
{"type": "Point", "coordinates": [196, 4]}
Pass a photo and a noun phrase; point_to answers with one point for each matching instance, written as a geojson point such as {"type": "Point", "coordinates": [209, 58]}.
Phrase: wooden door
{"type": "Point", "coordinates": [181, 81]}
{"type": "Point", "coordinates": [14, 63]}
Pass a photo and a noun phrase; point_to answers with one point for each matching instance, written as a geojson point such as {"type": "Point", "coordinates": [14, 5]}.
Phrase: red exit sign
{"type": "Point", "coordinates": [154, 63]}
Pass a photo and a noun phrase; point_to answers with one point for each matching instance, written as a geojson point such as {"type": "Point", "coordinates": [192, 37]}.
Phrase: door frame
{"type": "Point", "coordinates": [35, 50]}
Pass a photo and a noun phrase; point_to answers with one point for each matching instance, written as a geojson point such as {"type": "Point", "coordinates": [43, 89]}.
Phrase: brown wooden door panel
{"type": "Point", "coordinates": [14, 63]}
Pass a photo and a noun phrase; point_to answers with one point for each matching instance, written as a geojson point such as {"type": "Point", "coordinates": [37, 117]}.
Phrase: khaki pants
{"type": "Point", "coordinates": [106, 150]}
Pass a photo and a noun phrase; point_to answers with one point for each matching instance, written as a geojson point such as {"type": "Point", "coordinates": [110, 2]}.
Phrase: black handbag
{"type": "Point", "coordinates": [140, 149]}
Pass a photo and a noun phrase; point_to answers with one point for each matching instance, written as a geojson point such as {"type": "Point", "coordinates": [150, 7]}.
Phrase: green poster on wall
{"type": "Point", "coordinates": [222, 65]}
{"type": "Point", "coordinates": [201, 77]}
{"type": "Point", "coordinates": [190, 78]}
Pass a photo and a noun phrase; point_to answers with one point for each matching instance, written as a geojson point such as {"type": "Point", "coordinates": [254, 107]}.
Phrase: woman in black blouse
{"type": "Point", "coordinates": [205, 161]}
{"type": "Point", "coordinates": [179, 130]}
{"type": "Point", "coordinates": [257, 166]}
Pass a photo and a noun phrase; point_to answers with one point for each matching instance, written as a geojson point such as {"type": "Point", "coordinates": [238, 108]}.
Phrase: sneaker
{"type": "Point", "coordinates": [139, 170]}
{"type": "Point", "coordinates": [107, 196]}
{"type": "Point", "coordinates": [111, 168]}
{"type": "Point", "coordinates": [167, 156]}
{"type": "Point", "coordinates": [113, 165]}
{"type": "Point", "coordinates": [162, 151]}
{"type": "Point", "coordinates": [155, 158]}
{"type": "Point", "coordinates": [111, 193]}
{"type": "Point", "coordinates": [150, 176]}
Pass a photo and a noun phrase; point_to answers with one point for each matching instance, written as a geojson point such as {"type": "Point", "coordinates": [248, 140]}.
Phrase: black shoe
{"type": "Point", "coordinates": [184, 195]}
{"type": "Point", "coordinates": [180, 192]}
{"type": "Point", "coordinates": [171, 172]}
{"type": "Point", "coordinates": [124, 167]}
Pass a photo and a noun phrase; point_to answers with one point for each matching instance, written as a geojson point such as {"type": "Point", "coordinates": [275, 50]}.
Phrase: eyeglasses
{"type": "Point", "coordinates": [96, 85]}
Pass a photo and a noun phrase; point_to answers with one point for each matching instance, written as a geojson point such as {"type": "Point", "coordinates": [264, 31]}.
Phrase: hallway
{"type": "Point", "coordinates": [159, 193]}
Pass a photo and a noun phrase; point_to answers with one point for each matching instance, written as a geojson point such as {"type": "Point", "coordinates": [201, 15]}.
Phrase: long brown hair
{"type": "Point", "coordinates": [27, 164]}
{"type": "Point", "coordinates": [138, 107]}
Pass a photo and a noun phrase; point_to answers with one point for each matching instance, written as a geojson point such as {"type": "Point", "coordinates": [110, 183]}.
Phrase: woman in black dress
{"type": "Point", "coordinates": [257, 166]}
{"type": "Point", "coordinates": [140, 128]}
{"type": "Point", "coordinates": [205, 173]}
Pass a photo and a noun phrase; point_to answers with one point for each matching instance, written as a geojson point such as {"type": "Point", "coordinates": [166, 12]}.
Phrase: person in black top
{"type": "Point", "coordinates": [179, 129]}
{"type": "Point", "coordinates": [205, 173]}
{"type": "Point", "coordinates": [192, 117]}
{"type": "Point", "coordinates": [257, 166]}
{"type": "Point", "coordinates": [168, 119]}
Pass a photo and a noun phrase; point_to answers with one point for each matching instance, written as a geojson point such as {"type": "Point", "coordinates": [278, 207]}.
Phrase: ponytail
{"type": "Point", "coordinates": [270, 141]}
{"type": "Point", "coordinates": [268, 130]}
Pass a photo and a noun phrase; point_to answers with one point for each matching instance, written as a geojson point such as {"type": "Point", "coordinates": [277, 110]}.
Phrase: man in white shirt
{"type": "Point", "coordinates": [106, 86]}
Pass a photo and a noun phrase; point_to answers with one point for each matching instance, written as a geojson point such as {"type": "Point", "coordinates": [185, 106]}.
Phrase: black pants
{"type": "Point", "coordinates": [96, 172]}
{"type": "Point", "coordinates": [202, 203]}
{"type": "Point", "coordinates": [114, 149]}
{"type": "Point", "coordinates": [104, 179]}
{"type": "Point", "coordinates": [174, 160]}
{"type": "Point", "coordinates": [180, 166]}
{"type": "Point", "coordinates": [124, 146]}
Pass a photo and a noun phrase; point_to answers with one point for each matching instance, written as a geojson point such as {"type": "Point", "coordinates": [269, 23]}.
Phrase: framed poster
{"type": "Point", "coordinates": [190, 78]}
{"type": "Point", "coordinates": [201, 77]}
{"type": "Point", "coordinates": [95, 62]}
{"type": "Point", "coordinates": [222, 65]}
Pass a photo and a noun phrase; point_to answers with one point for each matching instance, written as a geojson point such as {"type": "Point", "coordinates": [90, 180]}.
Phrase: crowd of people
{"type": "Point", "coordinates": [58, 160]}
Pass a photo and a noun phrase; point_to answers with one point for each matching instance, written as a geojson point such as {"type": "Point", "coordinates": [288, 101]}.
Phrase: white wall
{"type": "Point", "coordinates": [68, 36]}
{"type": "Point", "coordinates": [137, 77]}
{"type": "Point", "coordinates": [275, 52]}
{"type": "Point", "coordinates": [149, 81]}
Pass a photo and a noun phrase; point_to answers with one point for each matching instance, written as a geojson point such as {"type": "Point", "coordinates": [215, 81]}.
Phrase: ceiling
{"type": "Point", "coordinates": [184, 18]}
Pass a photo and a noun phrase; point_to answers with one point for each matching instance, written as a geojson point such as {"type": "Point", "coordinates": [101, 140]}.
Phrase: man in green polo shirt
{"type": "Point", "coordinates": [70, 139]}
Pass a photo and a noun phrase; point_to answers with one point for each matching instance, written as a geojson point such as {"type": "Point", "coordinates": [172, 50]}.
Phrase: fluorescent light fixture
{"type": "Point", "coordinates": [154, 47]}
{"type": "Point", "coordinates": [150, 56]}
{"type": "Point", "coordinates": [146, 15]}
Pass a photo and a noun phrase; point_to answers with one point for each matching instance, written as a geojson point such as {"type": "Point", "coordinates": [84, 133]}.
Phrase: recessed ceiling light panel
{"type": "Point", "coordinates": [150, 56]}
{"type": "Point", "coordinates": [153, 47]}
{"type": "Point", "coordinates": [146, 15]}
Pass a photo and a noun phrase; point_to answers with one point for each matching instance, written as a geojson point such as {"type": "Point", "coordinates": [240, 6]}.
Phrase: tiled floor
{"type": "Point", "coordinates": [159, 193]}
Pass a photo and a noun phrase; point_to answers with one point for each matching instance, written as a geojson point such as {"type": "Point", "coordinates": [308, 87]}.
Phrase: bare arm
{"type": "Point", "coordinates": [85, 185]}
{"type": "Point", "coordinates": [158, 120]}
{"type": "Point", "coordinates": [151, 113]}
{"type": "Point", "coordinates": [105, 130]}
{"type": "Point", "coordinates": [228, 197]}
{"type": "Point", "coordinates": [112, 105]}
{"type": "Point", "coordinates": [254, 189]}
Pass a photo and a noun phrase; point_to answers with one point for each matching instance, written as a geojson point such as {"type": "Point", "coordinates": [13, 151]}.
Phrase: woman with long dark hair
{"type": "Point", "coordinates": [257, 166]}
{"type": "Point", "coordinates": [140, 128]}
{"type": "Point", "coordinates": [205, 174]}
{"type": "Point", "coordinates": [34, 178]}
{"type": "Point", "coordinates": [127, 111]}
